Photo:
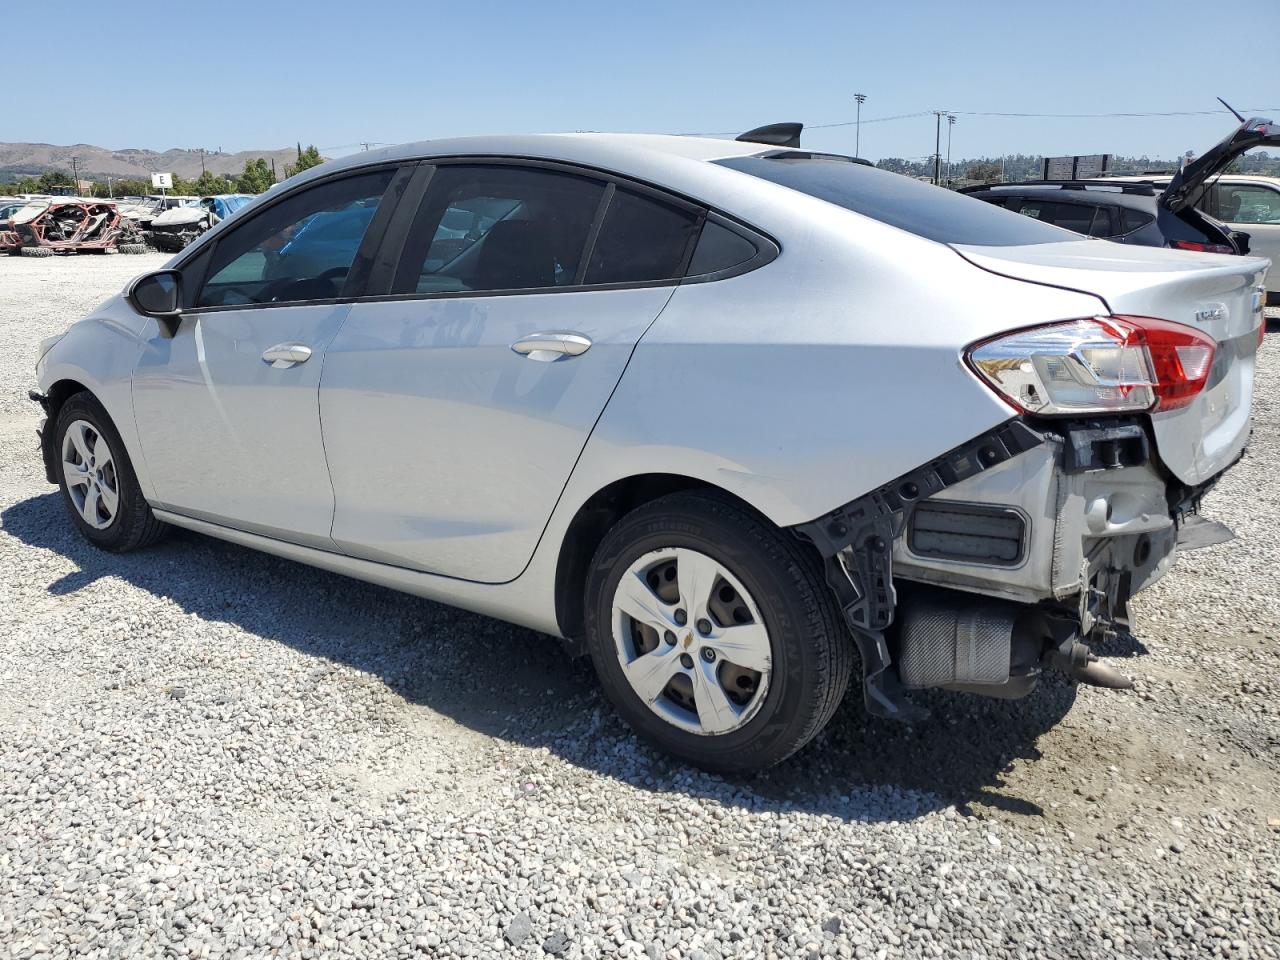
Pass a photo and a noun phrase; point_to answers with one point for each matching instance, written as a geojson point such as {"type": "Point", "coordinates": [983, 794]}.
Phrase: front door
{"type": "Point", "coordinates": [227, 409]}
{"type": "Point", "coordinates": [454, 410]}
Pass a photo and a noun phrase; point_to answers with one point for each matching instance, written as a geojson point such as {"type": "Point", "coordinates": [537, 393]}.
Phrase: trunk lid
{"type": "Point", "coordinates": [1218, 294]}
{"type": "Point", "coordinates": [1188, 185]}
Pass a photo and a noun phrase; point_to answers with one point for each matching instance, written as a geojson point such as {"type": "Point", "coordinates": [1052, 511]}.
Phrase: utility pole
{"type": "Point", "coordinates": [110, 195]}
{"type": "Point", "coordinates": [951, 122]}
{"type": "Point", "coordinates": [75, 177]}
{"type": "Point", "coordinates": [937, 147]}
{"type": "Point", "coordinates": [202, 161]}
{"type": "Point", "coordinates": [857, 136]}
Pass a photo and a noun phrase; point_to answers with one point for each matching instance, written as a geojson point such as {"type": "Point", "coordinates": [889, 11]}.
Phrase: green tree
{"type": "Point", "coordinates": [983, 172]}
{"type": "Point", "coordinates": [209, 183]}
{"type": "Point", "coordinates": [307, 159]}
{"type": "Point", "coordinates": [257, 177]}
{"type": "Point", "coordinates": [52, 178]}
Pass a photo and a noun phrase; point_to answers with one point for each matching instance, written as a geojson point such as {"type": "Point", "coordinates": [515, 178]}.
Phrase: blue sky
{"type": "Point", "coordinates": [264, 74]}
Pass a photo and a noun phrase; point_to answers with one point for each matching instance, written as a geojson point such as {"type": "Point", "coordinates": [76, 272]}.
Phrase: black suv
{"type": "Point", "coordinates": [1135, 212]}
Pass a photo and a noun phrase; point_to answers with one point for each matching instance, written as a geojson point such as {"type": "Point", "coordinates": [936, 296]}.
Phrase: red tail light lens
{"type": "Point", "coordinates": [1202, 247]}
{"type": "Point", "coordinates": [1096, 365]}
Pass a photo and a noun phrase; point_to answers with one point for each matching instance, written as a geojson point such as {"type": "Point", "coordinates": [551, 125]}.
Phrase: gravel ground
{"type": "Point", "coordinates": [207, 752]}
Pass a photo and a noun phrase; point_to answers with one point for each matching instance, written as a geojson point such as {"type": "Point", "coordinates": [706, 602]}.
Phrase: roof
{"type": "Point", "coordinates": [566, 144]}
{"type": "Point", "coordinates": [633, 152]}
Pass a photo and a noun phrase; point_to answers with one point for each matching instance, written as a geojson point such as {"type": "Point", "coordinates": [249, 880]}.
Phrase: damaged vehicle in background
{"type": "Point", "coordinates": [729, 417]}
{"type": "Point", "coordinates": [173, 229]}
{"type": "Point", "coordinates": [143, 210]}
{"type": "Point", "coordinates": [43, 228]}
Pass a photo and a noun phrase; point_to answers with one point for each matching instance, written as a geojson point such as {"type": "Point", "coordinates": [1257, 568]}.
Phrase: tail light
{"type": "Point", "coordinates": [1202, 247]}
{"type": "Point", "coordinates": [1096, 365]}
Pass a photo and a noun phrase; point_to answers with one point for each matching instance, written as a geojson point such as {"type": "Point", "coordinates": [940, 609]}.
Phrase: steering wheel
{"type": "Point", "coordinates": [288, 288]}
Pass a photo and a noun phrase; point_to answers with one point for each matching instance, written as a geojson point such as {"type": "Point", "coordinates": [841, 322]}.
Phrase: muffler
{"type": "Point", "coordinates": [958, 642]}
{"type": "Point", "coordinates": [994, 648]}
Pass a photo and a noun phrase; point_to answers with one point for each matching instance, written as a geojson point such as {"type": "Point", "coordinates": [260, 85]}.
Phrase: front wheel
{"type": "Point", "coordinates": [714, 633]}
{"type": "Point", "coordinates": [98, 484]}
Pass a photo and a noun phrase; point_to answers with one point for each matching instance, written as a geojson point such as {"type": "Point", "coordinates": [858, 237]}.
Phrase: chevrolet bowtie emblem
{"type": "Point", "coordinates": [688, 640]}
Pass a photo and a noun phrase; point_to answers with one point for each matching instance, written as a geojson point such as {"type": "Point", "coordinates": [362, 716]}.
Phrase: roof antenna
{"type": "Point", "coordinates": [1231, 108]}
{"type": "Point", "coordinates": [774, 134]}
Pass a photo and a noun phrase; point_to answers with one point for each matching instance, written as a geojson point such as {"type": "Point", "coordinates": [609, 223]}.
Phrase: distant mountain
{"type": "Point", "coordinates": [33, 159]}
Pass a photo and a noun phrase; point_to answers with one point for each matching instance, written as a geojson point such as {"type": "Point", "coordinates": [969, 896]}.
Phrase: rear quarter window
{"type": "Point", "coordinates": [920, 208]}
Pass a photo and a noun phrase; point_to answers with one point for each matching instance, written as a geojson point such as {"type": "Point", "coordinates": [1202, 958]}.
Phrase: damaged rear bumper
{"type": "Point", "coordinates": [1009, 550]}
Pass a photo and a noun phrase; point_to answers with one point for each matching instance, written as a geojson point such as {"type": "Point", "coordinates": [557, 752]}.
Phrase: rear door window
{"type": "Point", "coordinates": [1077, 217]}
{"type": "Point", "coordinates": [920, 208]}
{"type": "Point", "coordinates": [490, 227]}
{"type": "Point", "coordinates": [1104, 223]}
{"type": "Point", "coordinates": [640, 239]}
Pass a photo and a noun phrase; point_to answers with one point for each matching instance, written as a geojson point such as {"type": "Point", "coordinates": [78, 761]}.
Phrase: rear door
{"type": "Point", "coordinates": [455, 408]}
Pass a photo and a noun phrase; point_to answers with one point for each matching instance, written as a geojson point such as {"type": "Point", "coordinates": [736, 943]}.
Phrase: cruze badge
{"type": "Point", "coordinates": [1211, 314]}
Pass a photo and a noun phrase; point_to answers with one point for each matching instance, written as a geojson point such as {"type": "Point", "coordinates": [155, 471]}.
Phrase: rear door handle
{"type": "Point", "coordinates": [551, 346]}
{"type": "Point", "coordinates": [284, 355]}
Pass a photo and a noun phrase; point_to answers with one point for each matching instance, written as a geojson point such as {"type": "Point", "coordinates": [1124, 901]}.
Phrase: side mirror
{"type": "Point", "coordinates": [159, 295]}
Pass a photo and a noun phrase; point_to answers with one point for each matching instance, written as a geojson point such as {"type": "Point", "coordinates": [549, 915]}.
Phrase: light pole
{"type": "Point", "coordinates": [951, 122]}
{"type": "Point", "coordinates": [75, 177]}
{"type": "Point", "coordinates": [857, 135]}
{"type": "Point", "coordinates": [937, 147]}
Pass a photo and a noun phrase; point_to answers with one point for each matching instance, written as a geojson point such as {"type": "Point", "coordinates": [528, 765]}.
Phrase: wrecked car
{"type": "Point", "coordinates": [733, 418]}
{"type": "Point", "coordinates": [173, 229]}
{"type": "Point", "coordinates": [43, 228]}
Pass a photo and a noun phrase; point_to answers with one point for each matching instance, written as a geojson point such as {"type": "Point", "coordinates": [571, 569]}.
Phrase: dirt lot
{"type": "Point", "coordinates": [209, 752]}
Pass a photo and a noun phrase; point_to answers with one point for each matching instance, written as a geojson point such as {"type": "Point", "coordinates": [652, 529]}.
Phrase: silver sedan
{"type": "Point", "coordinates": [731, 417]}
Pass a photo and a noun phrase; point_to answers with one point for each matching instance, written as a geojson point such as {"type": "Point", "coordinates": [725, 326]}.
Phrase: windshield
{"type": "Point", "coordinates": [919, 208]}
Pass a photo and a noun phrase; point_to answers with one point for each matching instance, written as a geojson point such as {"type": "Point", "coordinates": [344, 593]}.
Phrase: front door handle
{"type": "Point", "coordinates": [284, 355]}
{"type": "Point", "coordinates": [551, 346]}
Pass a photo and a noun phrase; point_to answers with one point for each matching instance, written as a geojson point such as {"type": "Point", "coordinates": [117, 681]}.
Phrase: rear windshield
{"type": "Point", "coordinates": [920, 208]}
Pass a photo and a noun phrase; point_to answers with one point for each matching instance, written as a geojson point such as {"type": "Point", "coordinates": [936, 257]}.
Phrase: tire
{"type": "Point", "coordinates": [131, 524]}
{"type": "Point", "coordinates": [772, 581]}
{"type": "Point", "coordinates": [37, 251]}
{"type": "Point", "coordinates": [132, 248]}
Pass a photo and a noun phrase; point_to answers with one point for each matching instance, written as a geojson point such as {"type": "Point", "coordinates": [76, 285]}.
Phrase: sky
{"type": "Point", "coordinates": [255, 75]}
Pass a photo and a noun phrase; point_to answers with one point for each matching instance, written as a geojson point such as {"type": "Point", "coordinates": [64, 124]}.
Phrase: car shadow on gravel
{"type": "Point", "coordinates": [518, 686]}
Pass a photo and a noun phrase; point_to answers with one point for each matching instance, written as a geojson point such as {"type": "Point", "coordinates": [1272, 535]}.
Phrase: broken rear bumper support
{"type": "Point", "coordinates": [856, 543]}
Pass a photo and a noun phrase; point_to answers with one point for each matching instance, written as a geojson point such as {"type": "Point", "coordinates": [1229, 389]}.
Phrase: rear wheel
{"type": "Point", "coordinates": [98, 484]}
{"type": "Point", "coordinates": [714, 634]}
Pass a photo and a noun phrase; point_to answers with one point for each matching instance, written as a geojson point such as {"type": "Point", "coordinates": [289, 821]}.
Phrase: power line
{"type": "Point", "coordinates": [990, 113]}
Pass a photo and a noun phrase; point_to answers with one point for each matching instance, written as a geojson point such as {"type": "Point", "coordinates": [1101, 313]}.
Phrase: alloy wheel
{"type": "Point", "coordinates": [89, 470]}
{"type": "Point", "coordinates": [691, 641]}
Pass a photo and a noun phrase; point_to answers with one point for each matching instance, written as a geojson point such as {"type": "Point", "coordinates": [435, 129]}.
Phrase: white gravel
{"type": "Point", "coordinates": [207, 752]}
